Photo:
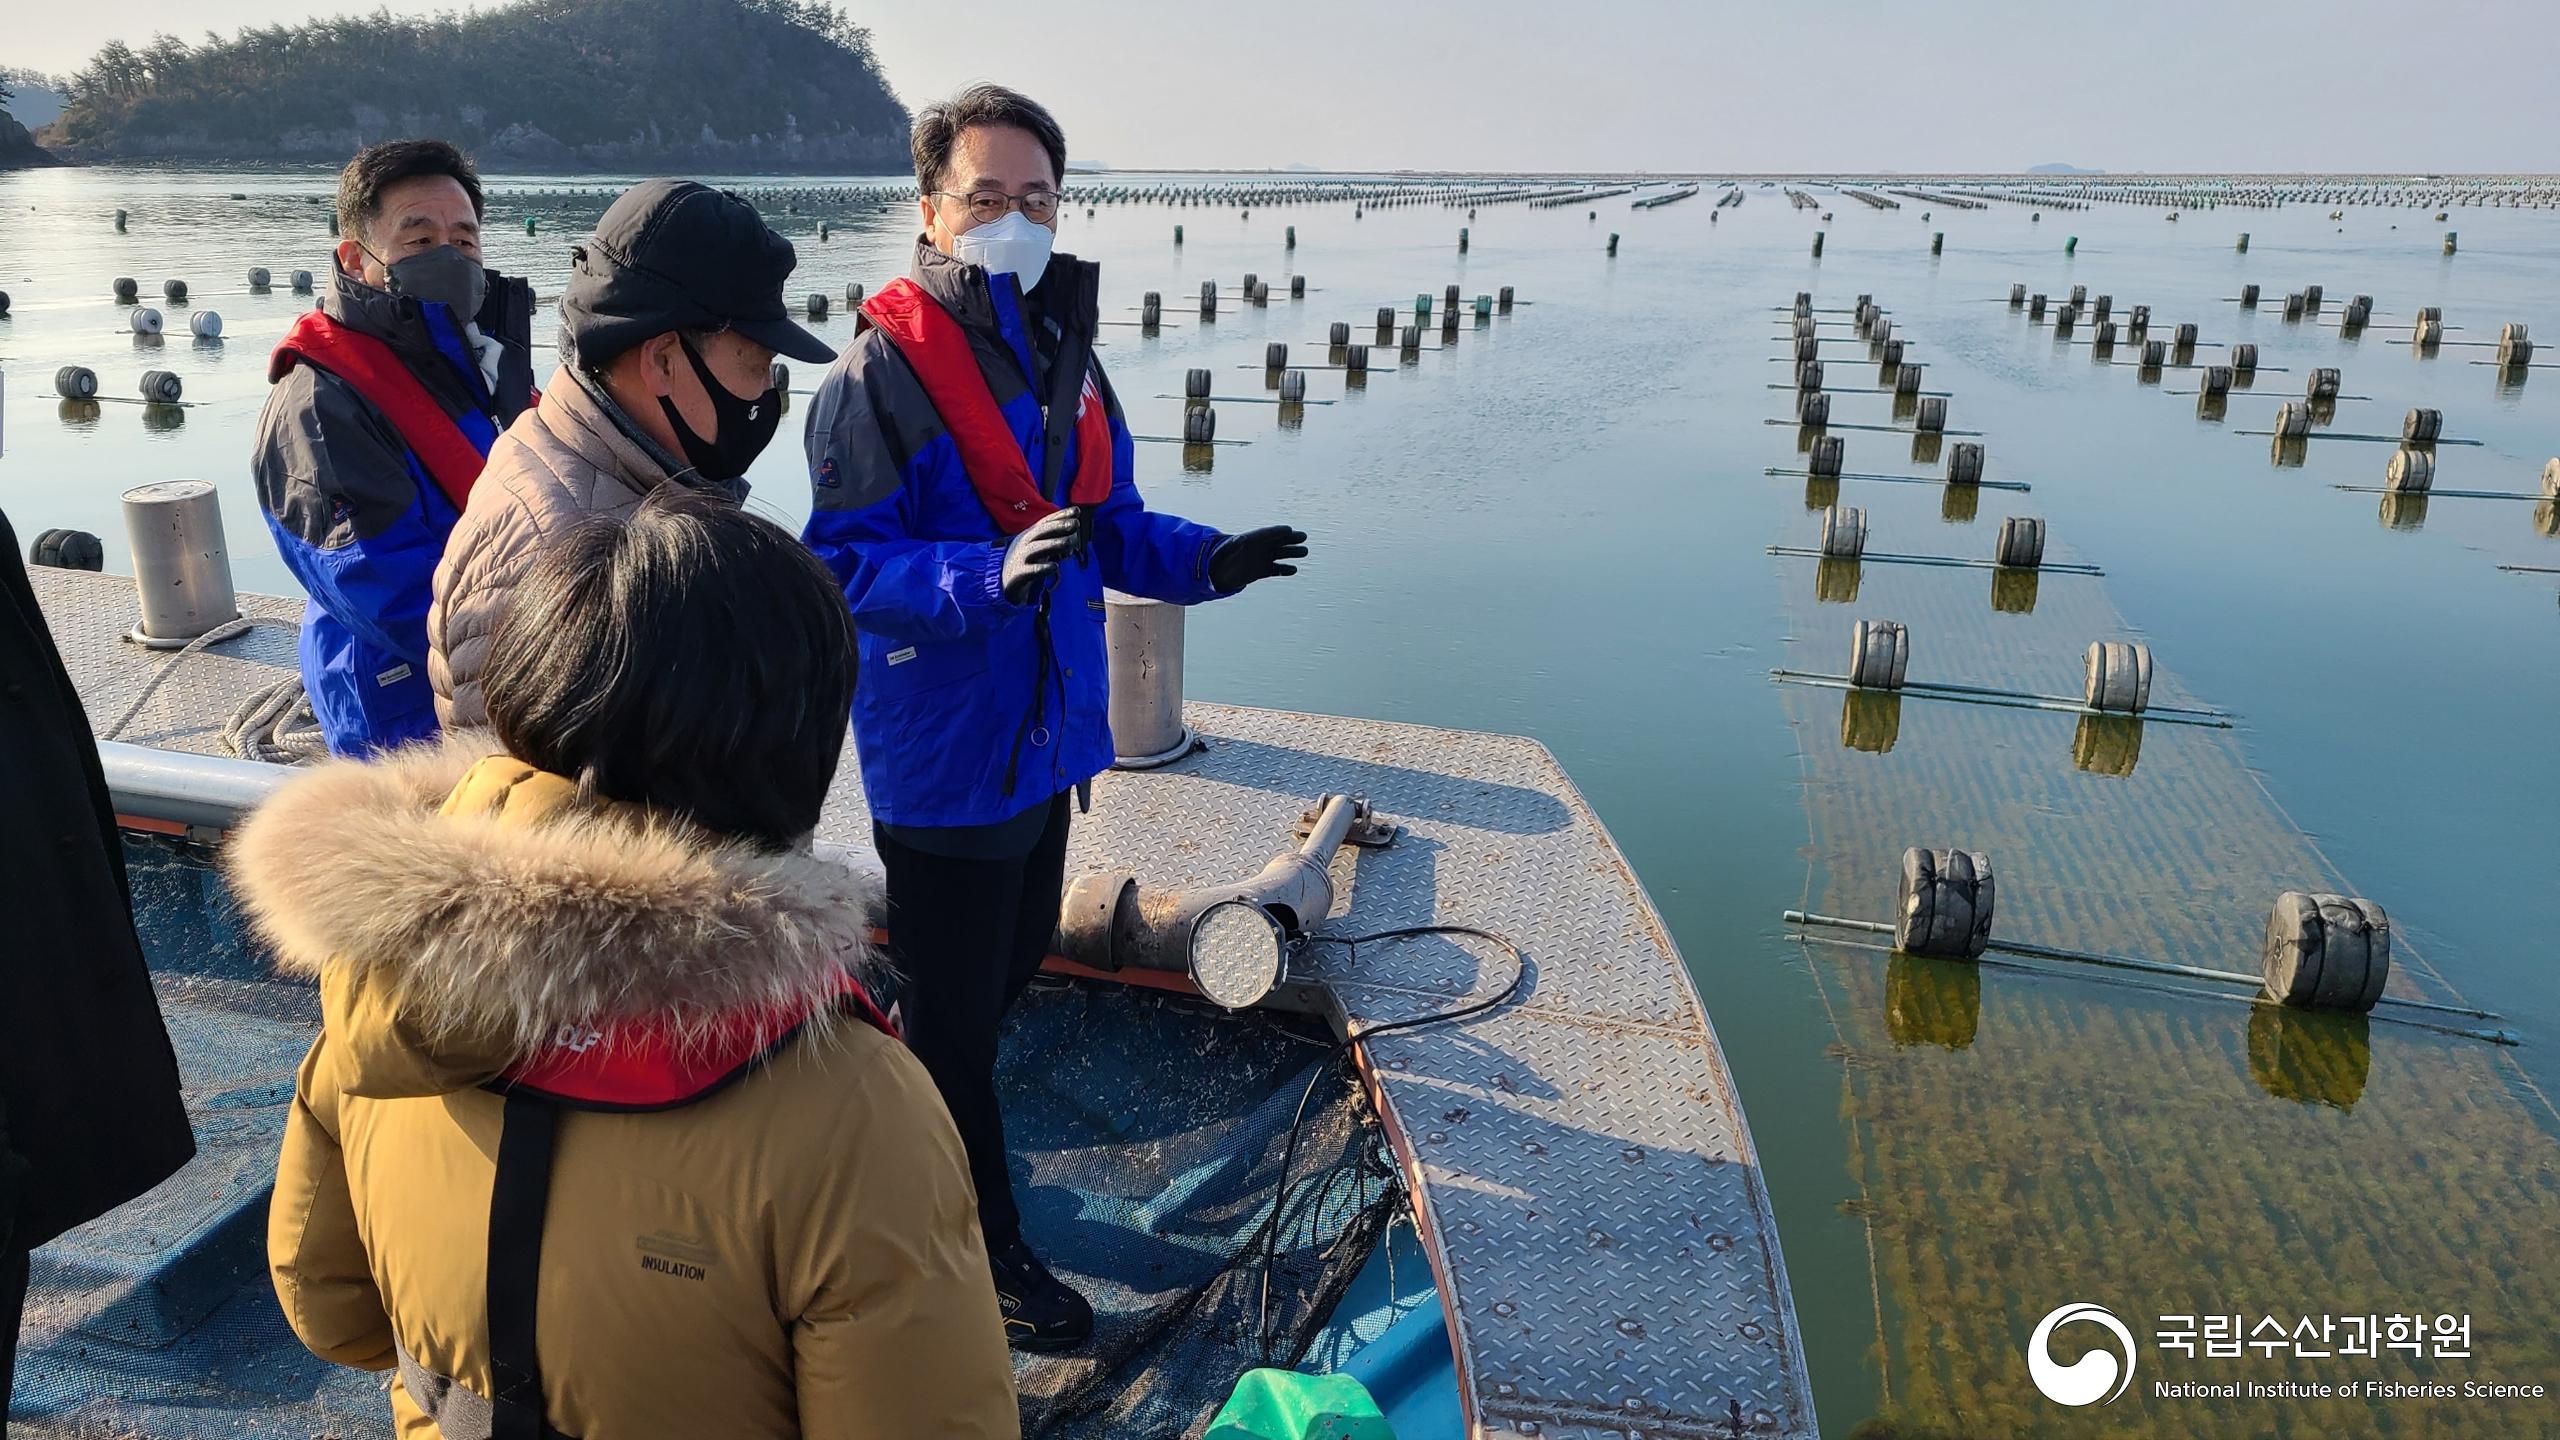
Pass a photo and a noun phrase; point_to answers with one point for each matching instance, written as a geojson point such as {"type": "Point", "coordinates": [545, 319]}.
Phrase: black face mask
{"type": "Point", "coordinates": [743, 427]}
{"type": "Point", "coordinates": [444, 275]}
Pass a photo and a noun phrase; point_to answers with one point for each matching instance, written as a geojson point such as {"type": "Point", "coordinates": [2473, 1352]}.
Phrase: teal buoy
{"type": "Point", "coordinates": [2071, 245]}
{"type": "Point", "coordinates": [119, 221]}
{"type": "Point", "coordinates": [528, 224]}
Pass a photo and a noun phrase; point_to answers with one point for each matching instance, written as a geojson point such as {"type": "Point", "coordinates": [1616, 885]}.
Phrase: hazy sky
{"type": "Point", "coordinates": [1650, 84]}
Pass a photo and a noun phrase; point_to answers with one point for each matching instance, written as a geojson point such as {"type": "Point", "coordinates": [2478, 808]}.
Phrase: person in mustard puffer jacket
{"type": "Point", "coordinates": [602, 1135]}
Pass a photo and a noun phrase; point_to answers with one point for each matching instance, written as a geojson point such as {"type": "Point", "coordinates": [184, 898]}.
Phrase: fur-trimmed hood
{"type": "Point", "coordinates": [462, 911]}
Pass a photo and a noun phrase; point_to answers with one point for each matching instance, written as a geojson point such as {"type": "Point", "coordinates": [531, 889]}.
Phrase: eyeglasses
{"type": "Point", "coordinates": [986, 207]}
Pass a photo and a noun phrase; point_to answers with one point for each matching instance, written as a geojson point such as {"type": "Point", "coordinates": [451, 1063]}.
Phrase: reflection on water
{"type": "Point", "coordinates": [2311, 1057]}
{"type": "Point", "coordinates": [1836, 580]}
{"type": "Point", "coordinates": [1932, 1002]}
{"type": "Point", "coordinates": [2288, 450]}
{"type": "Point", "coordinates": [1924, 447]}
{"type": "Point", "coordinates": [2212, 408]}
{"type": "Point", "coordinates": [2403, 510]}
{"type": "Point", "coordinates": [83, 414]}
{"type": "Point", "coordinates": [1870, 720]}
{"type": "Point", "coordinates": [2107, 744]}
{"type": "Point", "coordinates": [163, 418]}
{"type": "Point", "coordinates": [2013, 591]}
{"type": "Point", "coordinates": [1959, 503]}
{"type": "Point", "coordinates": [1821, 492]}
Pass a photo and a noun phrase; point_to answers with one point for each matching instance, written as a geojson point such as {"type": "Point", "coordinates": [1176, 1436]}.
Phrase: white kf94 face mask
{"type": "Point", "coordinates": [1010, 246]}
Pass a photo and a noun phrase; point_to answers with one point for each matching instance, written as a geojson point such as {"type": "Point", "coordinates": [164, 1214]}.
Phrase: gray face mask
{"type": "Point", "coordinates": [444, 275]}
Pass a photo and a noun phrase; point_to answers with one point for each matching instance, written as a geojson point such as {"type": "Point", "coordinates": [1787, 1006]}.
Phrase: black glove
{"type": "Point", "coordinates": [1031, 558]}
{"type": "Point", "coordinates": [1254, 555]}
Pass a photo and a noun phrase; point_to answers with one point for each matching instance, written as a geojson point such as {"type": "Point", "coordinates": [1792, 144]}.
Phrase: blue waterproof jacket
{"type": "Point", "coordinates": [956, 720]}
{"type": "Point", "coordinates": [356, 517]}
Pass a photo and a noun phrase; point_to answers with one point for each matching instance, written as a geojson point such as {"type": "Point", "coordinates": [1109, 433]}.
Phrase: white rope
{"type": "Point", "coordinates": [274, 724]}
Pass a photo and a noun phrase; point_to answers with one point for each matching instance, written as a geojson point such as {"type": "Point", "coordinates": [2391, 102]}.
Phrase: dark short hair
{"type": "Point", "coordinates": [691, 658]}
{"type": "Point", "coordinates": [939, 124]}
{"type": "Point", "coordinates": [377, 168]}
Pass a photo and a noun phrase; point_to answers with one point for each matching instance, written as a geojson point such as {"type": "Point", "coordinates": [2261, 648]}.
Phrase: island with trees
{"type": "Point", "coordinates": [565, 85]}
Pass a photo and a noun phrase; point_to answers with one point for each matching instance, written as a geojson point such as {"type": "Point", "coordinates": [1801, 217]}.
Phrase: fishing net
{"type": "Point", "coordinates": [1147, 1133]}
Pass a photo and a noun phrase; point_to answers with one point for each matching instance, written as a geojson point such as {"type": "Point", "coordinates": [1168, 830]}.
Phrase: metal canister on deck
{"type": "Point", "coordinates": [1144, 638]}
{"type": "Point", "coordinates": [181, 567]}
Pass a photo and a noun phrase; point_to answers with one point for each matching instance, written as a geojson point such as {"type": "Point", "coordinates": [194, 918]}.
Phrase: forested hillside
{"type": "Point", "coordinates": [556, 84]}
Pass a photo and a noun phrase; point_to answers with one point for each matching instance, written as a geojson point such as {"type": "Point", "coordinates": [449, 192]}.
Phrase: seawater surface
{"type": "Point", "coordinates": [1557, 527]}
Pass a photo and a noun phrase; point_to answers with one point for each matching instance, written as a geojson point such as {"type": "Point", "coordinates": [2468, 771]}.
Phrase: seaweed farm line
{"type": "Point", "coordinates": [1569, 515]}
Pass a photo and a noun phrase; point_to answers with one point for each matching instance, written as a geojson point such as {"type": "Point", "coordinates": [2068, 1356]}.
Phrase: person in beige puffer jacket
{"type": "Point", "coordinates": [602, 1135]}
{"type": "Point", "coordinates": [669, 328]}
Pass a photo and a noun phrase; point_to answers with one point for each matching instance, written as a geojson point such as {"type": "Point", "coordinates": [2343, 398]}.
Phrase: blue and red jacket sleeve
{"type": "Point", "coordinates": [868, 476]}
{"type": "Point", "coordinates": [1160, 557]}
{"type": "Point", "coordinates": [354, 519]}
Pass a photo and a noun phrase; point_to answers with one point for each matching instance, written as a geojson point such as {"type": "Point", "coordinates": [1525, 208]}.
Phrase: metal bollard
{"type": "Point", "coordinates": [181, 568]}
{"type": "Point", "coordinates": [1144, 641]}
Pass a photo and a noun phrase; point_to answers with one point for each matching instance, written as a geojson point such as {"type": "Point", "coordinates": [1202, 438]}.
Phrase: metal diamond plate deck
{"type": "Point", "coordinates": [89, 615]}
{"type": "Point", "coordinates": [1584, 1175]}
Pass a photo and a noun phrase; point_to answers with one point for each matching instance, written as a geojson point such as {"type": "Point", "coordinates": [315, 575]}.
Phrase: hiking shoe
{"type": "Point", "coordinates": [1040, 1312]}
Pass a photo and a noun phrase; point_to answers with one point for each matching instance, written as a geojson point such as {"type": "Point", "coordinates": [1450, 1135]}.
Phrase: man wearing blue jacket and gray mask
{"type": "Point", "coordinates": [971, 489]}
{"type": "Point", "coordinates": [387, 400]}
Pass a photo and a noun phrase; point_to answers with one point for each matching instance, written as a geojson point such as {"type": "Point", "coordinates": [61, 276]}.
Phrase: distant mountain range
{"type": "Point", "coordinates": [724, 85]}
{"type": "Point", "coordinates": [25, 100]}
{"type": "Point", "coordinates": [2056, 167]}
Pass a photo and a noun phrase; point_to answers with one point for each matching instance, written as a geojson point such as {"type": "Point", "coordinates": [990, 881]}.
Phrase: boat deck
{"type": "Point", "coordinates": [1583, 1176]}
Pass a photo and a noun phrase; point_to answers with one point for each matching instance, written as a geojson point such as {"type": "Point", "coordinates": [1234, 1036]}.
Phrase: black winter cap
{"type": "Point", "coordinates": [675, 255]}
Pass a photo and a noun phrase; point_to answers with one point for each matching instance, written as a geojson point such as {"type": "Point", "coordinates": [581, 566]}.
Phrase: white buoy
{"type": "Point", "coordinates": [1824, 459]}
{"type": "Point", "coordinates": [2117, 676]}
{"type": "Point", "coordinates": [2411, 472]}
{"type": "Point", "coordinates": [1879, 654]}
{"type": "Point", "coordinates": [2021, 544]}
{"type": "Point", "coordinates": [2327, 952]}
{"type": "Point", "coordinates": [1844, 532]}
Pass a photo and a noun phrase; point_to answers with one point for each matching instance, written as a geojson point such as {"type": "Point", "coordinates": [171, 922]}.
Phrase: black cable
{"type": "Point", "coordinates": [1289, 1153]}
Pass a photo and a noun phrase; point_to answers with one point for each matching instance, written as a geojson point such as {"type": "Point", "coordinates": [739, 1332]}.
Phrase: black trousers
{"type": "Point", "coordinates": [968, 935]}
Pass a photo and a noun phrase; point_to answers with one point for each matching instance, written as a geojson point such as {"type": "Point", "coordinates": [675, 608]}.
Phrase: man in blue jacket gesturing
{"type": "Point", "coordinates": [971, 489]}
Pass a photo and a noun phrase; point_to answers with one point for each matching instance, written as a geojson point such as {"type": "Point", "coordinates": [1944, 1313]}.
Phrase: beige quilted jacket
{"type": "Point", "coordinates": [561, 462]}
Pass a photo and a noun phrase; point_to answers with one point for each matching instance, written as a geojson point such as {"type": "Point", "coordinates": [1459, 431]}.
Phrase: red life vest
{"type": "Point", "coordinates": [651, 1067]}
{"type": "Point", "coordinates": [374, 372]}
{"type": "Point", "coordinates": [938, 351]}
